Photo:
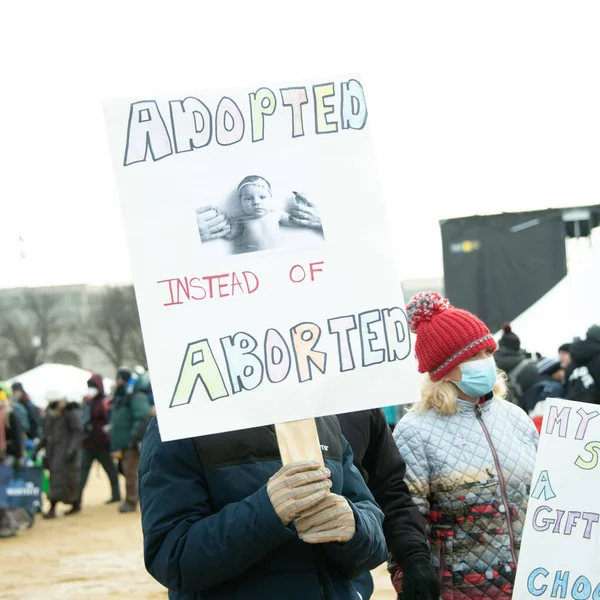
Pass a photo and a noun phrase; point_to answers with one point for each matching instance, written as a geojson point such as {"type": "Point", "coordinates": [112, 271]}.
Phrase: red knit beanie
{"type": "Point", "coordinates": [446, 336]}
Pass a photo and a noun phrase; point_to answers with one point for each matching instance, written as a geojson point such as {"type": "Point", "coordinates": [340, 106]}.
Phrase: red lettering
{"type": "Point", "coordinates": [235, 281]}
{"type": "Point", "coordinates": [210, 278]}
{"type": "Point", "coordinates": [222, 285]}
{"type": "Point", "coordinates": [314, 270]}
{"type": "Point", "coordinates": [216, 286]}
{"type": "Point", "coordinates": [170, 282]}
{"type": "Point", "coordinates": [183, 286]}
{"type": "Point", "coordinates": [256, 282]}
{"type": "Point", "coordinates": [197, 287]}
{"type": "Point", "coordinates": [293, 269]}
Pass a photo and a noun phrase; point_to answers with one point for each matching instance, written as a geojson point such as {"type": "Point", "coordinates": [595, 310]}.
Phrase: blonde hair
{"type": "Point", "coordinates": [441, 396]}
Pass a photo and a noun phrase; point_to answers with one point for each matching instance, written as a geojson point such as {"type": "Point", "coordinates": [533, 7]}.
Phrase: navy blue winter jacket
{"type": "Point", "coordinates": [210, 531]}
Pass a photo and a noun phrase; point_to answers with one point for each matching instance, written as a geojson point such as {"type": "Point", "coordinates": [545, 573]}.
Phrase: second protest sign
{"type": "Point", "coordinates": [560, 553]}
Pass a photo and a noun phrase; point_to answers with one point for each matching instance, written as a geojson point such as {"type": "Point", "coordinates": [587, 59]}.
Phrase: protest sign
{"type": "Point", "coordinates": [264, 272]}
{"type": "Point", "coordinates": [22, 489]}
{"type": "Point", "coordinates": [560, 553]}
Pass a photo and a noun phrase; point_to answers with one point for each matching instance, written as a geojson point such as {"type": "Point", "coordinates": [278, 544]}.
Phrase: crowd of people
{"type": "Point", "coordinates": [68, 437]}
{"type": "Point", "coordinates": [441, 495]}
{"type": "Point", "coordinates": [573, 374]}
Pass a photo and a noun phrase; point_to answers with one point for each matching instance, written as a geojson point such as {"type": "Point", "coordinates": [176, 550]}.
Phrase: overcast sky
{"type": "Point", "coordinates": [475, 107]}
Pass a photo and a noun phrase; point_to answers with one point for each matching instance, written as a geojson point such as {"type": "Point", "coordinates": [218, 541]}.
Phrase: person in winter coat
{"type": "Point", "coordinates": [11, 454]}
{"type": "Point", "coordinates": [583, 374]}
{"type": "Point", "coordinates": [469, 454]}
{"type": "Point", "coordinates": [549, 385]}
{"type": "Point", "coordinates": [61, 439]}
{"type": "Point", "coordinates": [223, 519]}
{"type": "Point", "coordinates": [16, 407]}
{"type": "Point", "coordinates": [130, 413]}
{"type": "Point", "coordinates": [95, 444]}
{"type": "Point", "coordinates": [34, 420]}
{"type": "Point", "coordinates": [564, 355]}
{"type": "Point", "coordinates": [522, 371]}
{"type": "Point", "coordinates": [383, 469]}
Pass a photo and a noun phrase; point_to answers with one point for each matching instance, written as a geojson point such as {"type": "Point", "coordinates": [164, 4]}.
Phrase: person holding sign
{"type": "Point", "coordinates": [222, 518]}
{"type": "Point", "coordinates": [469, 454]}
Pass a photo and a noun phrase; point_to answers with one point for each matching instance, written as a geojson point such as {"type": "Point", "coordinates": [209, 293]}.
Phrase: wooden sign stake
{"type": "Point", "coordinates": [298, 440]}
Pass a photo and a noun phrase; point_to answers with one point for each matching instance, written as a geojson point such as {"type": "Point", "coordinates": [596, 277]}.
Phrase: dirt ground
{"type": "Point", "coordinates": [94, 555]}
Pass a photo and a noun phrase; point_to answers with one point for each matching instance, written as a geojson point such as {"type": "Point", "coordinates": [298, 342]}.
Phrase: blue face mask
{"type": "Point", "coordinates": [478, 377]}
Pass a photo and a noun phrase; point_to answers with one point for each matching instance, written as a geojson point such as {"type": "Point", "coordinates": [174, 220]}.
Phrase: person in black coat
{"type": "Point", "coordinates": [549, 385]}
{"type": "Point", "coordinates": [583, 374]}
{"type": "Point", "coordinates": [564, 355]}
{"type": "Point", "coordinates": [35, 421]}
{"type": "Point", "coordinates": [521, 371]}
{"type": "Point", "coordinates": [11, 437]}
{"type": "Point", "coordinates": [95, 445]}
{"type": "Point", "coordinates": [377, 458]}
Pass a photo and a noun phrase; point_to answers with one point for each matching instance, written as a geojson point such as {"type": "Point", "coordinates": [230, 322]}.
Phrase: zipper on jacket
{"type": "Point", "coordinates": [509, 524]}
{"type": "Point", "coordinates": [442, 562]}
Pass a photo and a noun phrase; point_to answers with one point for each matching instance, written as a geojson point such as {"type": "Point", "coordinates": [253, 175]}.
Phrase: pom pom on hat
{"type": "Point", "coordinates": [510, 339]}
{"type": "Point", "coordinates": [446, 336]}
{"type": "Point", "coordinates": [423, 307]}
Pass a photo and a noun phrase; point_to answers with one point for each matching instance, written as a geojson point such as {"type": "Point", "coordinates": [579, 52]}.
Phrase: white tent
{"type": "Point", "coordinates": [566, 311]}
{"type": "Point", "coordinates": [70, 382]}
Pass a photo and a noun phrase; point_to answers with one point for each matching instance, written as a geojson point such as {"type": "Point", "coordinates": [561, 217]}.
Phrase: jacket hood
{"type": "Point", "coordinates": [583, 352]}
{"type": "Point", "coordinates": [96, 380]}
{"type": "Point", "coordinates": [593, 333]}
{"type": "Point", "coordinates": [507, 359]}
{"type": "Point", "coordinates": [142, 384]}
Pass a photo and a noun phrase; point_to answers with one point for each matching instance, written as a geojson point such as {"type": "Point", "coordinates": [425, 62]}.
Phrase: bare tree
{"type": "Point", "coordinates": [30, 332]}
{"type": "Point", "coordinates": [137, 350]}
{"type": "Point", "coordinates": [113, 326]}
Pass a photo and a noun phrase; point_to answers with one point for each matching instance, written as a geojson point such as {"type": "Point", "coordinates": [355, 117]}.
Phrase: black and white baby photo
{"type": "Point", "coordinates": [255, 216]}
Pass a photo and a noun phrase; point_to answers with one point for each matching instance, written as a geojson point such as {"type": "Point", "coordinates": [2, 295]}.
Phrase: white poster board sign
{"type": "Point", "coordinates": [297, 311]}
{"type": "Point", "coordinates": [560, 553]}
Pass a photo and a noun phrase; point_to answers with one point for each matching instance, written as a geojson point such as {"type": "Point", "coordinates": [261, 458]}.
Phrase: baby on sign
{"type": "Point", "coordinates": [258, 226]}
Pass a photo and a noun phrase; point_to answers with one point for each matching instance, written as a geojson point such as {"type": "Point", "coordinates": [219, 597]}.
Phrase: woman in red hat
{"type": "Point", "coordinates": [469, 454]}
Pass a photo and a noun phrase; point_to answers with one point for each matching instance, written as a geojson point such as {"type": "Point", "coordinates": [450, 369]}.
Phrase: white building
{"type": "Point", "coordinates": [71, 304]}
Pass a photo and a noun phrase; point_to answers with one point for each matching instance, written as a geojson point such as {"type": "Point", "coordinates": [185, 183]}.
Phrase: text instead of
{"type": "Point", "coordinates": [225, 285]}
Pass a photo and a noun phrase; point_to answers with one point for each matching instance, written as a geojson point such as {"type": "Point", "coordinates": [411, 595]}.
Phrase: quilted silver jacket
{"type": "Point", "coordinates": [470, 475]}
